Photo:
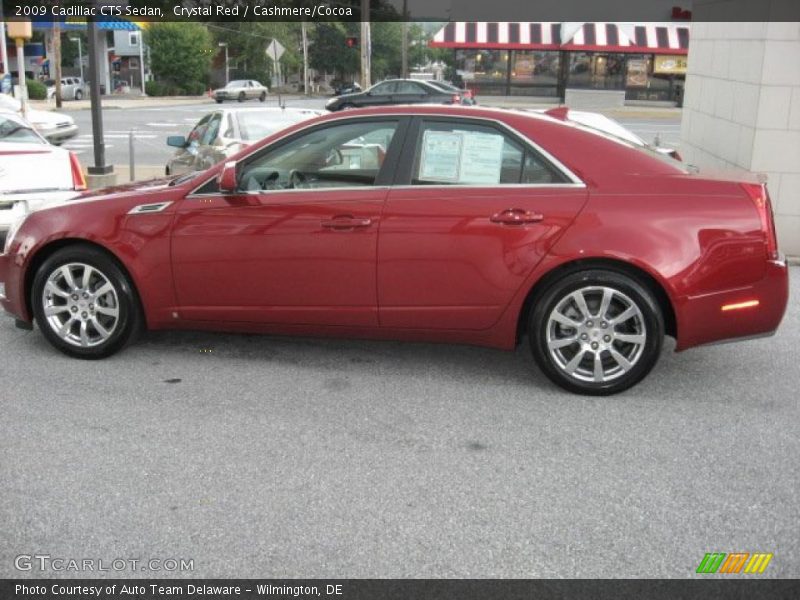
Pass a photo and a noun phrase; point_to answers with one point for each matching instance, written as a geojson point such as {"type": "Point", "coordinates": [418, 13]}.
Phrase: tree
{"type": "Point", "coordinates": [180, 53]}
{"type": "Point", "coordinates": [328, 52]}
{"type": "Point", "coordinates": [247, 43]}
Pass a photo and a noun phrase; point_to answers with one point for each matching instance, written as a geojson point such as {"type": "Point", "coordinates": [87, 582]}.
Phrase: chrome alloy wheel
{"type": "Point", "coordinates": [596, 334]}
{"type": "Point", "coordinates": [80, 304]}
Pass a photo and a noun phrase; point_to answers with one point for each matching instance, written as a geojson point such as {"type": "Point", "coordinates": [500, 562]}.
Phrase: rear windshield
{"type": "Point", "coordinates": [13, 131]}
{"type": "Point", "coordinates": [257, 125]}
{"type": "Point", "coordinates": [645, 149]}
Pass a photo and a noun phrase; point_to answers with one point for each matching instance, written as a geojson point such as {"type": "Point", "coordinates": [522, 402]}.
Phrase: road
{"type": "Point", "coordinates": [152, 126]}
{"type": "Point", "coordinates": [262, 456]}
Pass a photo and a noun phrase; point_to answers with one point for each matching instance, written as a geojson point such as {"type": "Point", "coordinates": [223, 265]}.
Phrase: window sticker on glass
{"type": "Point", "coordinates": [481, 158]}
{"type": "Point", "coordinates": [441, 156]}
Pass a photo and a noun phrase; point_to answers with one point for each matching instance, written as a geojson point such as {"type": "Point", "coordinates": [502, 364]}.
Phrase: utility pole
{"type": "Point", "coordinates": [57, 60]}
{"type": "Point", "coordinates": [404, 68]}
{"type": "Point", "coordinates": [365, 45]}
{"type": "Point", "coordinates": [305, 57]}
{"type": "Point", "coordinates": [3, 51]}
{"type": "Point", "coordinates": [20, 31]}
{"type": "Point", "coordinates": [100, 172]}
{"type": "Point", "coordinates": [80, 54]}
{"type": "Point", "coordinates": [227, 73]}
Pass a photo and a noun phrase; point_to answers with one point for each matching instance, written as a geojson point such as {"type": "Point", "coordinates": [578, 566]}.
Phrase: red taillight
{"type": "Point", "coordinates": [456, 99]}
{"type": "Point", "coordinates": [78, 180]}
{"type": "Point", "coordinates": [760, 197]}
{"type": "Point", "coordinates": [467, 94]}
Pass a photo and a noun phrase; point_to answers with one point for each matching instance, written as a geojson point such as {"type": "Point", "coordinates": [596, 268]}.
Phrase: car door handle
{"type": "Point", "coordinates": [346, 222]}
{"type": "Point", "coordinates": [516, 216]}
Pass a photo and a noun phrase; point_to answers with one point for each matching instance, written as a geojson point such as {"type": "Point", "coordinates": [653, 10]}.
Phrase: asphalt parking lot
{"type": "Point", "coordinates": [261, 456]}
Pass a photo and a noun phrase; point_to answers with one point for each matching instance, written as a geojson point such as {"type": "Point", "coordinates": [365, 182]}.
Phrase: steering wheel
{"type": "Point", "coordinates": [296, 179]}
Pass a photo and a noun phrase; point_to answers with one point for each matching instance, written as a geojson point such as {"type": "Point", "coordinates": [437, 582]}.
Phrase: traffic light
{"type": "Point", "coordinates": [351, 42]}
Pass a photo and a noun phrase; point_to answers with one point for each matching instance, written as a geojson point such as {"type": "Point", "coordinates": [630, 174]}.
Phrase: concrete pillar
{"type": "Point", "coordinates": [742, 110]}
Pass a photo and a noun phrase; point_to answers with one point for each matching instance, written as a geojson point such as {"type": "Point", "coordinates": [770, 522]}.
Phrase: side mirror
{"type": "Point", "coordinates": [227, 178]}
{"type": "Point", "coordinates": [176, 141]}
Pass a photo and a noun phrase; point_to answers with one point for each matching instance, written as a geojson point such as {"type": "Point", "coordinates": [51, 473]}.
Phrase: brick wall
{"type": "Point", "coordinates": [742, 109]}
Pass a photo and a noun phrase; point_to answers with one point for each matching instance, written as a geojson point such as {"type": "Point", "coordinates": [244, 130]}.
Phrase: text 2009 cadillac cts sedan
{"type": "Point", "coordinates": [436, 223]}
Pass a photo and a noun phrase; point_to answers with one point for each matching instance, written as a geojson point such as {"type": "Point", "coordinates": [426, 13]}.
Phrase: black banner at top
{"type": "Point", "coordinates": [394, 589]}
{"type": "Point", "coordinates": [398, 10]}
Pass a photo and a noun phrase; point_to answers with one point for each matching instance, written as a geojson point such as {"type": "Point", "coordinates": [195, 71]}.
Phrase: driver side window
{"type": "Point", "coordinates": [345, 155]}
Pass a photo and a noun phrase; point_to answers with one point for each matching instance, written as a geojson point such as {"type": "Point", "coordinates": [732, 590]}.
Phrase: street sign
{"type": "Point", "coordinates": [275, 50]}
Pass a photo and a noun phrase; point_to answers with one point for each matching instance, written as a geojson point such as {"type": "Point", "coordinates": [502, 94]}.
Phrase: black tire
{"type": "Point", "coordinates": [129, 315]}
{"type": "Point", "coordinates": [242, 97]}
{"type": "Point", "coordinates": [263, 97]}
{"type": "Point", "coordinates": [599, 330]}
{"type": "Point", "coordinates": [219, 100]}
{"type": "Point", "coordinates": [78, 94]}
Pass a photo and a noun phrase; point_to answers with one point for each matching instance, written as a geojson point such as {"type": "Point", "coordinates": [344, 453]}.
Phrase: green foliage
{"type": "Point", "coordinates": [247, 43]}
{"type": "Point", "coordinates": [69, 49]}
{"type": "Point", "coordinates": [36, 89]}
{"type": "Point", "coordinates": [180, 53]}
{"type": "Point", "coordinates": [328, 52]}
{"type": "Point", "coordinates": [160, 88]}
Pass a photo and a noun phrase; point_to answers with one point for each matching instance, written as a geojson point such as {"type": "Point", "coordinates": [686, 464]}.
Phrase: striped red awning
{"type": "Point", "coordinates": [630, 38]}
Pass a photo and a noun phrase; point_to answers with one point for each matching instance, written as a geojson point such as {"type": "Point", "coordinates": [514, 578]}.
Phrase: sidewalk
{"type": "Point", "coordinates": [527, 102]}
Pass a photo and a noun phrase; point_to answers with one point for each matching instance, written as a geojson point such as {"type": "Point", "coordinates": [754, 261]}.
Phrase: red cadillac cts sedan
{"type": "Point", "coordinates": [437, 223]}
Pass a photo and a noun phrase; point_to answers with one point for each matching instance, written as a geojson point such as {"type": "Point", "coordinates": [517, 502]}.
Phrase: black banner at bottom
{"type": "Point", "coordinates": [395, 589]}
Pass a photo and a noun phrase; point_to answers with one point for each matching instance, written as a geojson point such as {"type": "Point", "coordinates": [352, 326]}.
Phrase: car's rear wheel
{"type": "Point", "coordinates": [219, 100]}
{"type": "Point", "coordinates": [242, 96]}
{"type": "Point", "coordinates": [84, 303]}
{"type": "Point", "coordinates": [596, 332]}
{"type": "Point", "coordinates": [78, 94]}
{"type": "Point", "coordinates": [263, 96]}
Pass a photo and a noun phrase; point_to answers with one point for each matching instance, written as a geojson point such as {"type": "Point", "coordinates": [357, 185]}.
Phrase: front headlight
{"type": "Point", "coordinates": [331, 101]}
{"type": "Point", "coordinates": [19, 212]}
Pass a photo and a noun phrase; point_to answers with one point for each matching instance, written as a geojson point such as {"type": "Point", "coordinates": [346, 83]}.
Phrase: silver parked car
{"type": "Point", "coordinates": [72, 88]}
{"type": "Point", "coordinates": [224, 132]}
{"type": "Point", "coordinates": [241, 90]}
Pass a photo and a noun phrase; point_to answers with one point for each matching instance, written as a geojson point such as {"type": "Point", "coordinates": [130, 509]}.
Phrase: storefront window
{"type": "Point", "coordinates": [596, 70]}
{"type": "Point", "coordinates": [534, 73]}
{"type": "Point", "coordinates": [655, 78]}
{"type": "Point", "coordinates": [485, 71]}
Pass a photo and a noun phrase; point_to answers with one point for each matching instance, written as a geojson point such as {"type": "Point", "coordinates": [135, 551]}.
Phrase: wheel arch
{"type": "Point", "coordinates": [626, 268]}
{"type": "Point", "coordinates": [50, 248]}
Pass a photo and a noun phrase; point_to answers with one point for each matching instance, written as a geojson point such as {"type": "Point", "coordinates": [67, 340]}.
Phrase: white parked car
{"type": "Point", "coordinates": [223, 132]}
{"type": "Point", "coordinates": [55, 127]}
{"type": "Point", "coordinates": [33, 172]}
{"type": "Point", "coordinates": [72, 88]}
{"type": "Point", "coordinates": [241, 90]}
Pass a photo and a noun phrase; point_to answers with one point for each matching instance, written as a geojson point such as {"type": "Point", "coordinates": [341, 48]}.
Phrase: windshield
{"type": "Point", "coordinates": [14, 131]}
{"type": "Point", "coordinates": [257, 125]}
{"type": "Point", "coordinates": [236, 84]}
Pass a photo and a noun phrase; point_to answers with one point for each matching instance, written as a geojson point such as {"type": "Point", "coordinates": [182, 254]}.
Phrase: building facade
{"type": "Point", "coordinates": [641, 62]}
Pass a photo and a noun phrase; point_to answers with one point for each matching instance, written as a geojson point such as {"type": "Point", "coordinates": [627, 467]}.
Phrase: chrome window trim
{"type": "Point", "coordinates": [349, 188]}
{"type": "Point", "coordinates": [573, 178]}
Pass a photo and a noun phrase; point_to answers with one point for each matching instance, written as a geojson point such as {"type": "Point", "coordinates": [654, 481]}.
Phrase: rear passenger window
{"type": "Point", "coordinates": [467, 154]}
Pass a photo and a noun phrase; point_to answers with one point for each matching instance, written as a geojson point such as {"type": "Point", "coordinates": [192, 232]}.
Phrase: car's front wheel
{"type": "Point", "coordinates": [84, 303]}
{"type": "Point", "coordinates": [263, 96]}
{"type": "Point", "coordinates": [242, 97]}
{"type": "Point", "coordinates": [78, 94]}
{"type": "Point", "coordinates": [596, 332]}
